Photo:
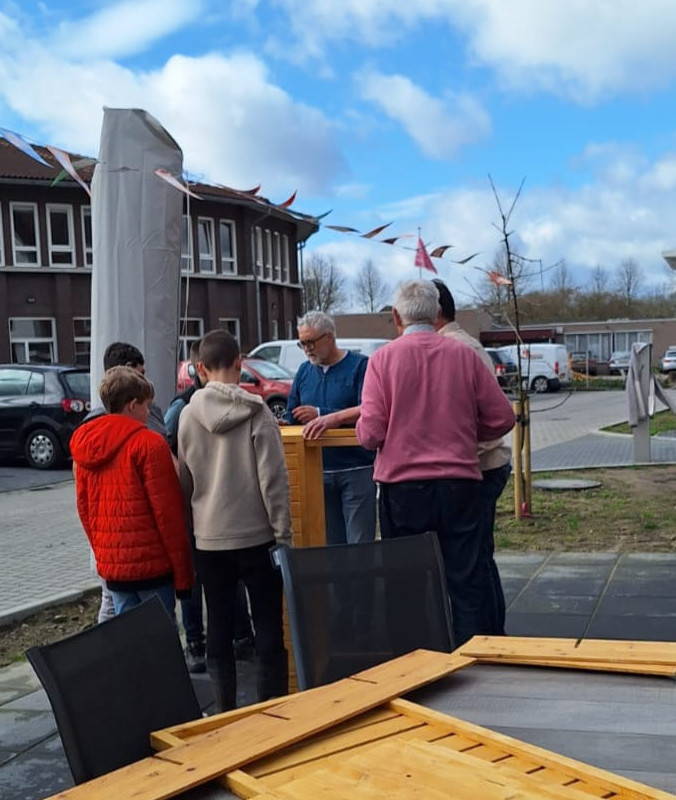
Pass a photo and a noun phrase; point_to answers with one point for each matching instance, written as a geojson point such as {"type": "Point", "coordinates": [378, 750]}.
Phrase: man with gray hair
{"type": "Point", "coordinates": [326, 393]}
{"type": "Point", "coordinates": [426, 404]}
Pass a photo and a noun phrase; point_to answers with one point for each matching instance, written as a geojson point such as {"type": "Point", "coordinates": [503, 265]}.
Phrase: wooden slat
{"type": "Point", "coordinates": [569, 767]}
{"type": "Point", "coordinates": [220, 751]}
{"type": "Point", "coordinates": [657, 670]}
{"type": "Point", "coordinates": [533, 650]}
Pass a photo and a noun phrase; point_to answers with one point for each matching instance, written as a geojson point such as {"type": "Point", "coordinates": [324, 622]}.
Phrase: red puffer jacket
{"type": "Point", "coordinates": [129, 501]}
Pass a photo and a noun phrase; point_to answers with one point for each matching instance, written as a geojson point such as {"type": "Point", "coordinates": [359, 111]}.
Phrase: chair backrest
{"type": "Point", "coordinates": [353, 606]}
{"type": "Point", "coordinates": [110, 686]}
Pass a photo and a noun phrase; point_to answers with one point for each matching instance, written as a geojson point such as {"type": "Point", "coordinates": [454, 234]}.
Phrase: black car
{"type": "Point", "coordinates": [505, 370]}
{"type": "Point", "coordinates": [40, 407]}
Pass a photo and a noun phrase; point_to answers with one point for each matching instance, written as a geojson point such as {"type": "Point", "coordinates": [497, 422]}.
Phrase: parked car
{"type": "Point", "coordinates": [584, 362]}
{"type": "Point", "coordinates": [619, 362]}
{"type": "Point", "coordinates": [505, 370]}
{"type": "Point", "coordinates": [668, 360]}
{"type": "Point", "coordinates": [261, 377]}
{"type": "Point", "coordinates": [40, 407]}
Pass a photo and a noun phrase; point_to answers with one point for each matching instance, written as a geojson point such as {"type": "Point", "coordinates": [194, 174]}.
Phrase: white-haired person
{"type": "Point", "coordinates": [426, 404]}
{"type": "Point", "coordinates": [326, 393]}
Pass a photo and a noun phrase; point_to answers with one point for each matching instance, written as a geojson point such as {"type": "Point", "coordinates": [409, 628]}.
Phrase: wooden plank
{"type": "Point", "coordinates": [223, 750]}
{"type": "Point", "coordinates": [570, 767]}
{"type": "Point", "coordinates": [531, 650]}
{"type": "Point", "coordinates": [657, 670]}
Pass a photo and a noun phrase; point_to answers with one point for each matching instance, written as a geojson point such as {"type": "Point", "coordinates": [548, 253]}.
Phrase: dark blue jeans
{"type": "Point", "coordinates": [451, 508]}
{"type": "Point", "coordinates": [490, 489]}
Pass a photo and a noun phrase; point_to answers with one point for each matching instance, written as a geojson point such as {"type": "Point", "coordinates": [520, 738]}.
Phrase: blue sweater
{"type": "Point", "coordinates": [337, 388]}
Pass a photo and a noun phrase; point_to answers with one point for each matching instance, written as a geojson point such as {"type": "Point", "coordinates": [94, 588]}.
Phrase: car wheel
{"type": "Point", "coordinates": [42, 449]}
{"type": "Point", "coordinates": [278, 407]}
{"type": "Point", "coordinates": [540, 384]}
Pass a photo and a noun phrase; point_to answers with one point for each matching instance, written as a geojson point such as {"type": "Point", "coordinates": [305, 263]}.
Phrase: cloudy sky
{"type": "Point", "coordinates": [385, 112]}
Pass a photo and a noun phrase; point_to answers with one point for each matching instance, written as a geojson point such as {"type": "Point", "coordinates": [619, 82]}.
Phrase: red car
{"type": "Point", "coordinates": [261, 377]}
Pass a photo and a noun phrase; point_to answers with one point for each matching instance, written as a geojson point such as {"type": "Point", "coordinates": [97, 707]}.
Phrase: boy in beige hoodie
{"type": "Point", "coordinates": [234, 482]}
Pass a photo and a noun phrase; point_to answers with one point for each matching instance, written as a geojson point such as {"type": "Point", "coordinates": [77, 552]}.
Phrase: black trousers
{"type": "Point", "coordinates": [451, 508]}
{"type": "Point", "coordinates": [220, 570]}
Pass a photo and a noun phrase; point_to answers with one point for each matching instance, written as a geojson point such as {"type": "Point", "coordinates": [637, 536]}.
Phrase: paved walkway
{"type": "Point", "coordinates": [602, 595]}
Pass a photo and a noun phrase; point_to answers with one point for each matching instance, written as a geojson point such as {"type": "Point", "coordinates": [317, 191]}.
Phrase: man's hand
{"type": "Point", "coordinates": [316, 427]}
{"type": "Point", "coordinates": [304, 413]}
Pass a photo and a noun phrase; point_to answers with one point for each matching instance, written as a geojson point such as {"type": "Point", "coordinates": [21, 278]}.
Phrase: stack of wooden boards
{"type": "Point", "coordinates": [356, 738]}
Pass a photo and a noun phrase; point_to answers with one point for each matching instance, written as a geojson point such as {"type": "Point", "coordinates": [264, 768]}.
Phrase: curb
{"type": "Point", "coordinates": [19, 613]}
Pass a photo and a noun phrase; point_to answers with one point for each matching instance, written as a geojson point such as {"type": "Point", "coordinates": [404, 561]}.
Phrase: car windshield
{"type": "Point", "coordinates": [78, 383]}
{"type": "Point", "coordinates": [270, 371]}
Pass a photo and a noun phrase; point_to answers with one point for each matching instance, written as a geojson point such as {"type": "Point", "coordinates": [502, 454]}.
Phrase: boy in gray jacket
{"type": "Point", "coordinates": [234, 482]}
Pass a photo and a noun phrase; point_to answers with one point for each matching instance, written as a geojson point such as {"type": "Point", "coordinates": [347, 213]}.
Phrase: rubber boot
{"type": "Point", "coordinates": [224, 684]}
{"type": "Point", "coordinates": [272, 676]}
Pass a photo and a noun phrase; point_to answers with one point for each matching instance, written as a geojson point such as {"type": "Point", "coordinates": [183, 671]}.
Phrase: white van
{"type": "Point", "coordinates": [544, 367]}
{"type": "Point", "coordinates": [287, 354]}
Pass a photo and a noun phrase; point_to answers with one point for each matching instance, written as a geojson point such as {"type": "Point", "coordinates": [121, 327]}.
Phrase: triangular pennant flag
{"type": "Point", "coordinates": [20, 143]}
{"type": "Point", "coordinates": [255, 190]}
{"type": "Point", "coordinates": [439, 251]}
{"type": "Point", "coordinates": [465, 260]}
{"type": "Point", "coordinates": [172, 181]}
{"type": "Point", "coordinates": [325, 214]}
{"type": "Point", "coordinates": [288, 202]}
{"type": "Point", "coordinates": [375, 231]}
{"type": "Point", "coordinates": [341, 228]}
{"type": "Point", "coordinates": [64, 159]}
{"type": "Point", "coordinates": [498, 279]}
{"type": "Point", "coordinates": [422, 259]}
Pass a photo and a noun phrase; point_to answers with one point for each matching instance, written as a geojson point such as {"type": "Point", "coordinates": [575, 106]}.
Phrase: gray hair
{"type": "Point", "coordinates": [417, 302]}
{"type": "Point", "coordinates": [318, 321]}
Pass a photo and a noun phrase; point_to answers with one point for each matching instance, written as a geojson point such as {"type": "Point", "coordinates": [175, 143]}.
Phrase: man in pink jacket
{"type": "Point", "coordinates": [427, 402]}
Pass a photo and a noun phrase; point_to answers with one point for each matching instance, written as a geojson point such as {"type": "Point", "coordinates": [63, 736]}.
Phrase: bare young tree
{"type": "Point", "coordinates": [629, 281]}
{"type": "Point", "coordinates": [370, 290]}
{"type": "Point", "coordinates": [323, 284]}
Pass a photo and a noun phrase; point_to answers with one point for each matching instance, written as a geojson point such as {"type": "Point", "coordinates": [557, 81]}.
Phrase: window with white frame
{"type": "Point", "coordinates": [286, 269]}
{"type": "Point", "coordinates": [186, 244]}
{"type": "Point", "coordinates": [257, 249]}
{"type": "Point", "coordinates": [24, 219]}
{"type": "Point", "coordinates": [60, 238]}
{"type": "Point", "coordinates": [231, 325]}
{"type": "Point", "coordinates": [289, 329]}
{"type": "Point", "coordinates": [2, 247]}
{"type": "Point", "coordinates": [623, 340]}
{"type": "Point", "coordinates": [277, 256]}
{"type": "Point", "coordinates": [82, 339]}
{"type": "Point", "coordinates": [191, 329]}
{"type": "Point", "coordinates": [32, 341]}
{"type": "Point", "coordinates": [205, 244]}
{"type": "Point", "coordinates": [268, 255]}
{"type": "Point", "coordinates": [87, 241]}
{"type": "Point", "coordinates": [275, 329]}
{"type": "Point", "coordinates": [226, 232]}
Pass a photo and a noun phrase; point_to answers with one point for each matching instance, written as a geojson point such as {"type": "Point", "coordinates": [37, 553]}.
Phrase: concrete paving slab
{"type": "Point", "coordinates": [568, 626]}
{"type": "Point", "coordinates": [563, 604]}
{"type": "Point", "coordinates": [615, 626]}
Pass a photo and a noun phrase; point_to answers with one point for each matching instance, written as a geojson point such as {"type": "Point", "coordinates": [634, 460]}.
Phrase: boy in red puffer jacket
{"type": "Point", "coordinates": [129, 499]}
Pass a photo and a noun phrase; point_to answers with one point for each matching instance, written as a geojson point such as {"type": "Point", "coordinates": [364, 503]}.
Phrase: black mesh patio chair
{"type": "Point", "coordinates": [353, 606]}
{"type": "Point", "coordinates": [110, 686]}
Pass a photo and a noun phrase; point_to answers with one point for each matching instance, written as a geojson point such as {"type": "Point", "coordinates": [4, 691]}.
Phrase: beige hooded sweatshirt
{"type": "Point", "coordinates": [232, 470]}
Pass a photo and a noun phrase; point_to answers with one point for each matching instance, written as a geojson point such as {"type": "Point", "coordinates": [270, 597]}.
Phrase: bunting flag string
{"type": "Point", "coordinates": [438, 252]}
{"type": "Point", "coordinates": [173, 181]}
{"type": "Point", "coordinates": [21, 144]}
{"type": "Point", "coordinates": [496, 278]}
{"type": "Point", "coordinates": [68, 167]}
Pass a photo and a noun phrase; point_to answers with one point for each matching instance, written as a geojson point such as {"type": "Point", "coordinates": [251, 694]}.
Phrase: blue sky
{"type": "Point", "coordinates": [386, 112]}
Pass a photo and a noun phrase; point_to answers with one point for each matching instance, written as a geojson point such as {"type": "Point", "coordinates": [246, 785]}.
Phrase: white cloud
{"type": "Point", "coordinates": [440, 127]}
{"type": "Point", "coordinates": [234, 124]}
{"type": "Point", "coordinates": [123, 29]}
{"type": "Point", "coordinates": [582, 49]}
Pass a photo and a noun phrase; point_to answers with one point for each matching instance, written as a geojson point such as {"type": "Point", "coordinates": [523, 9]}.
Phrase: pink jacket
{"type": "Point", "coordinates": [427, 401]}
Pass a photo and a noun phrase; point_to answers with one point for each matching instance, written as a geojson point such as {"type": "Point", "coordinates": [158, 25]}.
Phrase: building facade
{"type": "Point", "coordinates": [240, 264]}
